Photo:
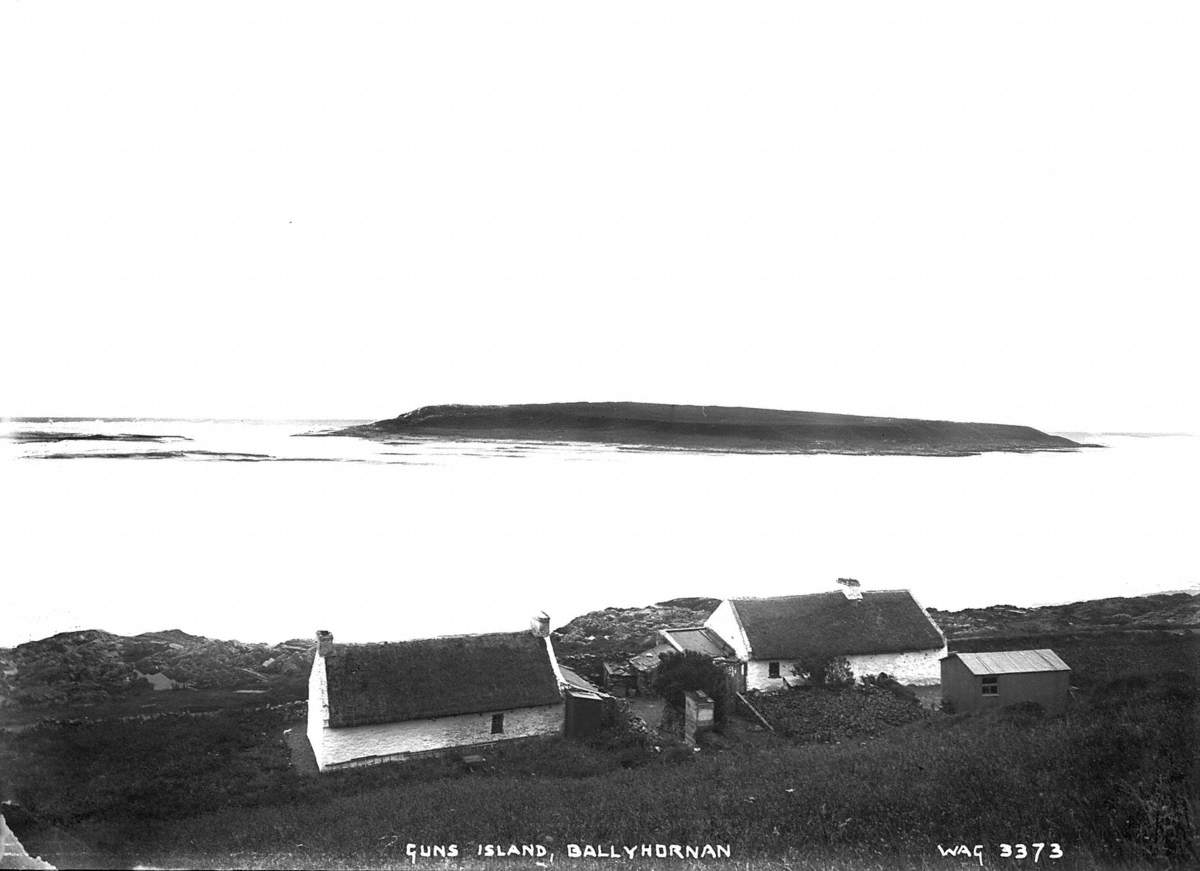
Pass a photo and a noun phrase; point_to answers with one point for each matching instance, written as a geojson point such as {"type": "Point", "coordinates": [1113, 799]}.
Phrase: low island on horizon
{"type": "Point", "coordinates": [709, 428]}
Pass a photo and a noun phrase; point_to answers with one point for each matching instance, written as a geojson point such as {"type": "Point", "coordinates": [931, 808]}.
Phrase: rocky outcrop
{"type": "Point", "coordinates": [615, 634]}
{"type": "Point", "coordinates": [1159, 611]}
{"type": "Point", "coordinates": [93, 666]}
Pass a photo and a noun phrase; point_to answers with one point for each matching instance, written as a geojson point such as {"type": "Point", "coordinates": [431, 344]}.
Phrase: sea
{"type": "Point", "coordinates": [261, 531]}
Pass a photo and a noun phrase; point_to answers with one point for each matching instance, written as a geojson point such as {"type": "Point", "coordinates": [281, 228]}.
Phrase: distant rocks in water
{"type": "Point", "coordinates": [231, 456]}
{"type": "Point", "coordinates": [637, 425]}
{"type": "Point", "coordinates": [49, 437]}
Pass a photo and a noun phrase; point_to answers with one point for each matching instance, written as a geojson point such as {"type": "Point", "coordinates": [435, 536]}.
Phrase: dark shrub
{"type": "Point", "coordinates": [820, 668]}
{"type": "Point", "coordinates": [680, 672]}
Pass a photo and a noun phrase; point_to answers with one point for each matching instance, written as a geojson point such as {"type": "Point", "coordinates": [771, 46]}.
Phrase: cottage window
{"type": "Point", "coordinates": [497, 724]}
{"type": "Point", "coordinates": [991, 685]}
{"type": "Point", "coordinates": [772, 669]}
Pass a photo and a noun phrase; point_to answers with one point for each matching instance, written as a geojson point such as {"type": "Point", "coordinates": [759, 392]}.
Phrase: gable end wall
{"type": "Point", "coordinates": [318, 707]}
{"type": "Point", "coordinates": [725, 624]}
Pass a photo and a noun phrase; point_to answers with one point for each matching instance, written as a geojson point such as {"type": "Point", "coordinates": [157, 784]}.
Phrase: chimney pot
{"type": "Point", "coordinates": [851, 589]}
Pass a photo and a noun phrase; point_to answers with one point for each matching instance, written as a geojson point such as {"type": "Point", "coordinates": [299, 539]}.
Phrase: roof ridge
{"type": "Point", "coordinates": [865, 591]}
{"type": "Point", "coordinates": [433, 638]}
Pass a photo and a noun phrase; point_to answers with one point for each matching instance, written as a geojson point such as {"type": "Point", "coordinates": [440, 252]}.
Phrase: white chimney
{"type": "Point", "coordinates": [324, 642]}
{"type": "Point", "coordinates": [851, 589]}
{"type": "Point", "coordinates": [540, 625]}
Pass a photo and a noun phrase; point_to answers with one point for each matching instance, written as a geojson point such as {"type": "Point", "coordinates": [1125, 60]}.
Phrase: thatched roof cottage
{"type": "Point", "coordinates": [875, 630]}
{"type": "Point", "coordinates": [371, 703]}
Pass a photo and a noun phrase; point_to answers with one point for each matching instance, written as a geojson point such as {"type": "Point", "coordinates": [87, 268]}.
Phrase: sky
{"type": "Point", "coordinates": [962, 211]}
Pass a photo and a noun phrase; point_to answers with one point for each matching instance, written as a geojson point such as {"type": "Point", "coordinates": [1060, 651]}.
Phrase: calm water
{"type": "Point", "coordinates": [243, 530]}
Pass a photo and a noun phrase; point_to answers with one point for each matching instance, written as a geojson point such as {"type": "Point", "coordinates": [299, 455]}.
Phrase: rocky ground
{"type": "Point", "coordinates": [615, 634]}
{"type": "Point", "coordinates": [827, 716]}
{"type": "Point", "coordinates": [92, 666]}
{"type": "Point", "coordinates": [1159, 611]}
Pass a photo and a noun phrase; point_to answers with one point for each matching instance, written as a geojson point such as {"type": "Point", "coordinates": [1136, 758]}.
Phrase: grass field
{"type": "Point", "coordinates": [154, 704]}
{"type": "Point", "coordinates": [1114, 782]}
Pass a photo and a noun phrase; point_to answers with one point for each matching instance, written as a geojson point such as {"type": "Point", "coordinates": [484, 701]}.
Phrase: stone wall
{"type": "Point", "coordinates": [917, 668]}
{"type": "Point", "coordinates": [758, 675]}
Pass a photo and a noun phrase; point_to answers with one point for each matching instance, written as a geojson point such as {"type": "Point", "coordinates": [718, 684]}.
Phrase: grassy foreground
{"type": "Point", "coordinates": [1114, 782]}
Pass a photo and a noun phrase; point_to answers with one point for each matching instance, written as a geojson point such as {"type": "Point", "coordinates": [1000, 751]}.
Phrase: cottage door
{"type": "Point", "coordinates": [737, 676]}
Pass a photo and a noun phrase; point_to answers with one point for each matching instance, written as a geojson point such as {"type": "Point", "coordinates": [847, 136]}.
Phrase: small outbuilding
{"type": "Point", "coordinates": [618, 679]}
{"type": "Point", "coordinates": [993, 679]}
{"type": "Point", "coordinates": [587, 706]}
{"type": "Point", "coordinates": [645, 665]}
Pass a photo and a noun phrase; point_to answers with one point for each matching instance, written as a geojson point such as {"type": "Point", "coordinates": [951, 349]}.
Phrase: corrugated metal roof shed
{"type": "Point", "coordinates": [697, 638]}
{"type": "Point", "coordinates": [1012, 661]}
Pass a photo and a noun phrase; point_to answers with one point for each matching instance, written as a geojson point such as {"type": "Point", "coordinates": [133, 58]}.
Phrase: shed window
{"type": "Point", "coordinates": [772, 669]}
{"type": "Point", "coordinates": [497, 724]}
{"type": "Point", "coordinates": [991, 685]}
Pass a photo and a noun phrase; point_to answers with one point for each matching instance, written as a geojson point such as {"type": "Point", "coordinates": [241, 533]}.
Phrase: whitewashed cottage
{"type": "Point", "coordinates": [876, 631]}
{"type": "Point", "coordinates": [371, 703]}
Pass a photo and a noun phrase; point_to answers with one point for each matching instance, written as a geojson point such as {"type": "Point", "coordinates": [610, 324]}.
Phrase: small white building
{"type": "Point", "coordinates": [371, 703]}
{"type": "Point", "coordinates": [876, 631]}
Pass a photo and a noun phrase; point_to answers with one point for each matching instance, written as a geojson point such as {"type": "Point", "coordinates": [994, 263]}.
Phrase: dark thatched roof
{"type": "Point", "coordinates": [438, 677]}
{"type": "Point", "coordinates": [884, 621]}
